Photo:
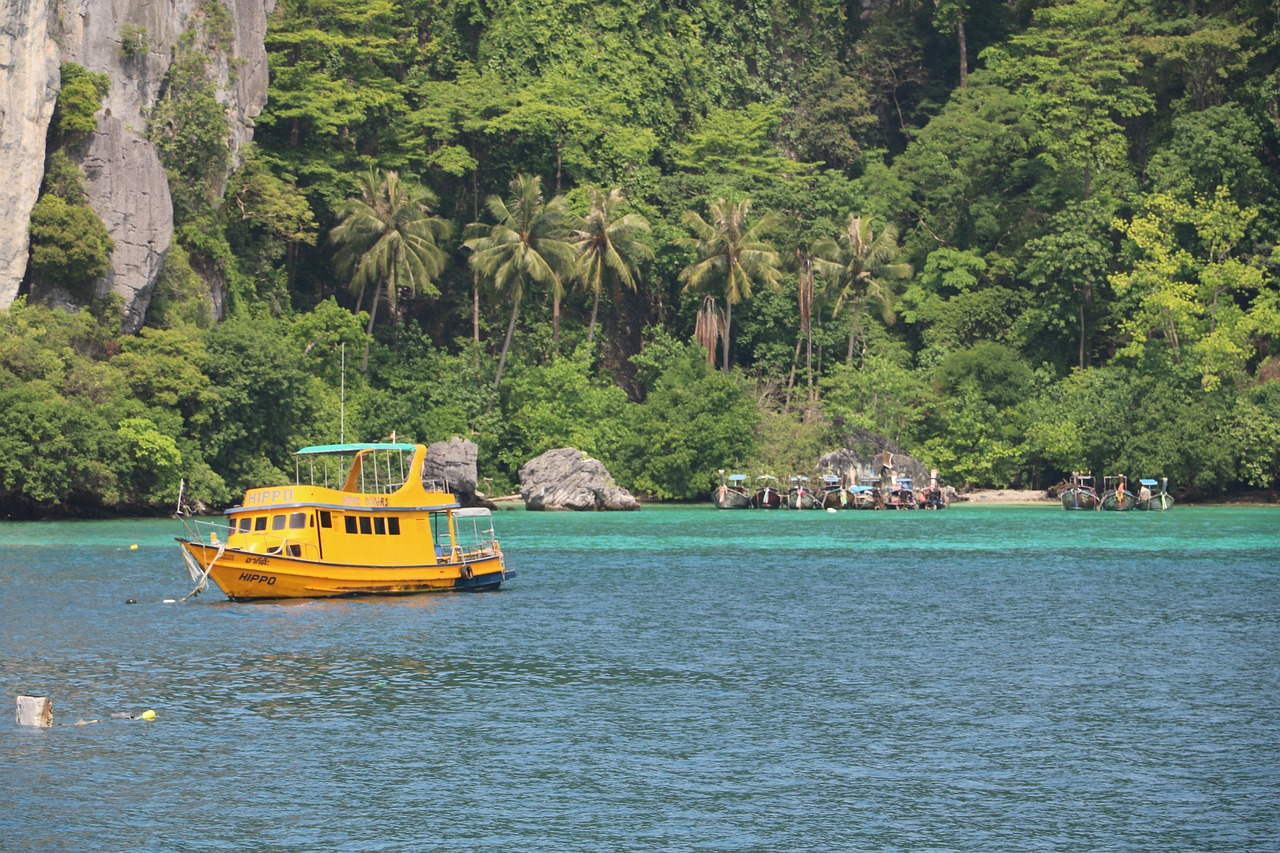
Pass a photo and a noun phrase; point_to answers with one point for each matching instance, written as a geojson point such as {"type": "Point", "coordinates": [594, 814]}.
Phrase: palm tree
{"type": "Point", "coordinates": [607, 247]}
{"type": "Point", "coordinates": [525, 245]}
{"type": "Point", "coordinates": [386, 238]}
{"type": "Point", "coordinates": [732, 256]}
{"type": "Point", "coordinates": [806, 267]}
{"type": "Point", "coordinates": [860, 262]}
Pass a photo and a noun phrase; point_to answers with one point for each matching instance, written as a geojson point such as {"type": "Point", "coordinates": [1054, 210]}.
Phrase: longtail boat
{"type": "Point", "coordinates": [932, 496]}
{"type": "Point", "coordinates": [767, 495]}
{"type": "Point", "coordinates": [731, 493]}
{"type": "Point", "coordinates": [833, 494]}
{"type": "Point", "coordinates": [359, 520]}
{"type": "Point", "coordinates": [800, 496]}
{"type": "Point", "coordinates": [1116, 496]}
{"type": "Point", "coordinates": [1081, 494]}
{"type": "Point", "coordinates": [1149, 499]}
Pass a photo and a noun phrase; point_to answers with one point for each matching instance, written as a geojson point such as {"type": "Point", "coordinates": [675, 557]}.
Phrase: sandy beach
{"type": "Point", "coordinates": [1006, 496]}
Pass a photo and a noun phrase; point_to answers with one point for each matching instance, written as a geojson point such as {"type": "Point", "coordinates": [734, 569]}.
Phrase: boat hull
{"type": "Point", "coordinates": [1156, 503]}
{"type": "Point", "coordinates": [1118, 502]}
{"type": "Point", "coordinates": [249, 576]}
{"type": "Point", "coordinates": [726, 498]}
{"type": "Point", "coordinates": [1079, 499]}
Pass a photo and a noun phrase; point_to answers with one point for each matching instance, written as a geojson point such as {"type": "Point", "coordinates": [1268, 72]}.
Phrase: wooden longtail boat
{"type": "Point", "coordinates": [1117, 498]}
{"type": "Point", "coordinates": [365, 524]}
{"type": "Point", "coordinates": [1080, 494]}
{"type": "Point", "coordinates": [800, 496]}
{"type": "Point", "coordinates": [731, 493]}
{"type": "Point", "coordinates": [767, 495]}
{"type": "Point", "coordinates": [833, 495]}
{"type": "Point", "coordinates": [1149, 499]}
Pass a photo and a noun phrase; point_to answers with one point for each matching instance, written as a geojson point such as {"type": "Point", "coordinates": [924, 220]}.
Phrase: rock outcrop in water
{"type": "Point", "coordinates": [454, 462]}
{"type": "Point", "coordinates": [568, 479]}
{"type": "Point", "coordinates": [125, 180]}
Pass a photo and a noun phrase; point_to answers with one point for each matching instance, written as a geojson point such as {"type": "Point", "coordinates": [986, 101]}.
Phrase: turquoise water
{"type": "Point", "coordinates": [986, 678]}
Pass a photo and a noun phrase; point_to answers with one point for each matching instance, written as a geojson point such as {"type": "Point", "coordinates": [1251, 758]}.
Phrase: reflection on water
{"type": "Point", "coordinates": [984, 678]}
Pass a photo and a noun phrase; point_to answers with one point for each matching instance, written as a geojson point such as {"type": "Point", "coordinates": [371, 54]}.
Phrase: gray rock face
{"type": "Point", "coordinates": [28, 90]}
{"type": "Point", "coordinates": [568, 479]}
{"type": "Point", "coordinates": [129, 191]}
{"type": "Point", "coordinates": [454, 462]}
{"type": "Point", "coordinates": [126, 183]}
{"type": "Point", "coordinates": [859, 468]}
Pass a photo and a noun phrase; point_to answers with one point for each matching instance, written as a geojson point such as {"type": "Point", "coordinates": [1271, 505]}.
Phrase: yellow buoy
{"type": "Point", "coordinates": [133, 547]}
{"type": "Point", "coordinates": [148, 715]}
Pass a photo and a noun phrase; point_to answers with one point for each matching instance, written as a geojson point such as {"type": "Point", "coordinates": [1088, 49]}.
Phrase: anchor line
{"type": "Point", "coordinates": [204, 578]}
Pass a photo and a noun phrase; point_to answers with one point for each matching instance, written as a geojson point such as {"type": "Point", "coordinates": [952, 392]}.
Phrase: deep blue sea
{"type": "Point", "coordinates": [986, 678]}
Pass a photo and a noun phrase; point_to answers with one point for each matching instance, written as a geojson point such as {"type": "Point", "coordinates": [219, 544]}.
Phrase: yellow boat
{"type": "Point", "coordinates": [359, 520]}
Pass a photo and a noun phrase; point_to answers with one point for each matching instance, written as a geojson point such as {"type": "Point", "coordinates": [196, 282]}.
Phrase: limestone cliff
{"type": "Point", "coordinates": [125, 180]}
{"type": "Point", "coordinates": [29, 73]}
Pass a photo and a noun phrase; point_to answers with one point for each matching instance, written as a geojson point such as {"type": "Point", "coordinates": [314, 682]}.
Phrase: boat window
{"type": "Point", "coordinates": [277, 522]}
{"type": "Point", "coordinates": [326, 518]}
{"type": "Point", "coordinates": [297, 521]}
{"type": "Point", "coordinates": [393, 526]}
{"type": "Point", "coordinates": [366, 526]}
{"type": "Point", "coordinates": [351, 523]}
{"type": "Point", "coordinates": [245, 521]}
{"type": "Point", "coordinates": [380, 526]}
{"type": "Point", "coordinates": [260, 523]}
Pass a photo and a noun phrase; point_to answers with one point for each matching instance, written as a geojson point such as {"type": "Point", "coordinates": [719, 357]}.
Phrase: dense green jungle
{"type": "Point", "coordinates": [1013, 238]}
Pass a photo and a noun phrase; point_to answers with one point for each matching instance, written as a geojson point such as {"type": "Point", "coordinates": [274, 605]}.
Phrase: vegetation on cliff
{"type": "Point", "coordinates": [1012, 237]}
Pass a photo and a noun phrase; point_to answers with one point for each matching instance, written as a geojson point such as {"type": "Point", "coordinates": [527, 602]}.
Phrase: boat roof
{"type": "Point", "coordinates": [472, 512]}
{"type": "Point", "coordinates": [737, 478]}
{"type": "Point", "coordinates": [354, 448]}
{"type": "Point", "coordinates": [1148, 482]}
{"type": "Point", "coordinates": [859, 488]}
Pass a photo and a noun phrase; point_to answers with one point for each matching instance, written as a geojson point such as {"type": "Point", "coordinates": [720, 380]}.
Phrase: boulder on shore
{"type": "Point", "coordinates": [568, 479]}
{"type": "Point", "coordinates": [453, 462]}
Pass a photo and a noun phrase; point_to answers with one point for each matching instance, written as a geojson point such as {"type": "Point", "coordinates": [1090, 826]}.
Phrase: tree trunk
{"type": "Point", "coordinates": [591, 328]}
{"type": "Point", "coordinates": [373, 312]}
{"type": "Point", "coordinates": [809, 362]}
{"type": "Point", "coordinates": [502, 359]}
{"type": "Point", "coordinates": [555, 322]}
{"type": "Point", "coordinates": [791, 380]}
{"type": "Point", "coordinates": [728, 325]}
{"type": "Point", "coordinates": [475, 308]}
{"type": "Point", "coordinates": [964, 50]}
{"type": "Point", "coordinates": [1082, 365]}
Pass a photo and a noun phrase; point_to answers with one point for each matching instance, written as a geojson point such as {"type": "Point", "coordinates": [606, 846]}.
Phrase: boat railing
{"type": "Point", "coordinates": [265, 542]}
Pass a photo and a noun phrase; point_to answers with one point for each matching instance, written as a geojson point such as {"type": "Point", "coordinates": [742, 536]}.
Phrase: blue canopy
{"type": "Point", "coordinates": [353, 448]}
{"type": "Point", "coordinates": [1147, 482]}
{"type": "Point", "coordinates": [737, 478]}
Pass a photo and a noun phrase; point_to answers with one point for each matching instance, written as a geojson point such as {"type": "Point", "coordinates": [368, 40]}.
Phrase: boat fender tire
{"type": "Point", "coordinates": [467, 574]}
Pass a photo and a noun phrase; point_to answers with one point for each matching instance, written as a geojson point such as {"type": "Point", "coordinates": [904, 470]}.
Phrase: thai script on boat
{"type": "Point", "coordinates": [268, 496]}
{"type": "Point", "coordinates": [357, 500]}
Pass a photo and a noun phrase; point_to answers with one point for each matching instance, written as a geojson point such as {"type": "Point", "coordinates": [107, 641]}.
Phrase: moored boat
{"type": "Point", "coordinates": [731, 493]}
{"type": "Point", "coordinates": [1117, 497]}
{"type": "Point", "coordinates": [900, 495]}
{"type": "Point", "coordinates": [932, 496]}
{"type": "Point", "coordinates": [1081, 494]}
{"type": "Point", "coordinates": [800, 496]}
{"type": "Point", "coordinates": [767, 494]}
{"type": "Point", "coordinates": [833, 495]}
{"type": "Point", "coordinates": [1151, 500]}
{"type": "Point", "coordinates": [370, 526]}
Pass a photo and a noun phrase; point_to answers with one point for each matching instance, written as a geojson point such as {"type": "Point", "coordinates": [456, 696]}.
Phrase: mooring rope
{"type": "Point", "coordinates": [204, 578]}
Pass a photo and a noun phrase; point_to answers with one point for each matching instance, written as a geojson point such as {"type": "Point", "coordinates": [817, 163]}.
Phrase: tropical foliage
{"type": "Point", "coordinates": [1014, 239]}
